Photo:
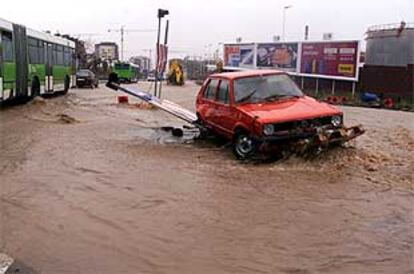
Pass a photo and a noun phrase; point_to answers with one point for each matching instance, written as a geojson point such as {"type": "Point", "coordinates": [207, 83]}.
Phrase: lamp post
{"type": "Point", "coordinates": [285, 8]}
{"type": "Point", "coordinates": [161, 14]}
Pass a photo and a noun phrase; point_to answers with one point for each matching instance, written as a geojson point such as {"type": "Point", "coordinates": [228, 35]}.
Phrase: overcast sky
{"type": "Point", "coordinates": [198, 26]}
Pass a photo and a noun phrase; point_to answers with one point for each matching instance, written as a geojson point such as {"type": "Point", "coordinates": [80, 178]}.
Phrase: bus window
{"type": "Point", "coordinates": [66, 56]}
{"type": "Point", "coordinates": [55, 54]}
{"type": "Point", "coordinates": [73, 60]}
{"type": "Point", "coordinates": [60, 55]}
{"type": "Point", "coordinates": [7, 42]}
{"type": "Point", "coordinates": [122, 66]}
{"type": "Point", "coordinates": [36, 51]}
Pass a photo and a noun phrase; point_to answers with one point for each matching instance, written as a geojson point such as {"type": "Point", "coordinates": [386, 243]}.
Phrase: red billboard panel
{"type": "Point", "coordinates": [334, 59]}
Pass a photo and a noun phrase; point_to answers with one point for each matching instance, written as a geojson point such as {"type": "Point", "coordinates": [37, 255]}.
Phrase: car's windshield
{"type": "Point", "coordinates": [83, 73]}
{"type": "Point", "coordinates": [264, 88]}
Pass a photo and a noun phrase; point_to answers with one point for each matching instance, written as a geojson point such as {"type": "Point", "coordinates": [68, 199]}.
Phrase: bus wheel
{"type": "Point", "coordinates": [67, 83]}
{"type": "Point", "coordinates": [35, 88]}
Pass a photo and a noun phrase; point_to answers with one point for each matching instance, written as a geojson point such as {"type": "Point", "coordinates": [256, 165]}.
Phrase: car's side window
{"type": "Point", "coordinates": [210, 91]}
{"type": "Point", "coordinates": [223, 92]}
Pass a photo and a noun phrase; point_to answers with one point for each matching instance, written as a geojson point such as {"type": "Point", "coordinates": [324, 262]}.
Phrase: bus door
{"type": "Point", "coordinates": [22, 66]}
{"type": "Point", "coordinates": [1, 70]}
{"type": "Point", "coordinates": [49, 68]}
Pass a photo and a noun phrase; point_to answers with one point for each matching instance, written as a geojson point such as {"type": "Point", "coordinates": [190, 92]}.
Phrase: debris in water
{"type": "Point", "coordinates": [123, 99]}
{"type": "Point", "coordinates": [5, 262]}
{"type": "Point", "coordinates": [66, 119]}
{"type": "Point", "coordinates": [144, 105]}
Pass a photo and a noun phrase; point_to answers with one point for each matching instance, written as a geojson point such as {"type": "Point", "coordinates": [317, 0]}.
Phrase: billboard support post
{"type": "Point", "coordinates": [333, 87]}
{"type": "Point", "coordinates": [317, 86]}
{"type": "Point", "coordinates": [302, 83]}
{"type": "Point", "coordinates": [353, 89]}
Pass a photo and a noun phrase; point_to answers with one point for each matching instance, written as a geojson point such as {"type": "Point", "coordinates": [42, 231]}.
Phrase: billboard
{"type": "Point", "coordinates": [239, 55]}
{"type": "Point", "coordinates": [283, 56]}
{"type": "Point", "coordinates": [333, 59]}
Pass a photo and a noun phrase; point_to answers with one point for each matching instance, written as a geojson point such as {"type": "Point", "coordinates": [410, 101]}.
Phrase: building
{"type": "Point", "coordinates": [143, 62]}
{"type": "Point", "coordinates": [107, 51]}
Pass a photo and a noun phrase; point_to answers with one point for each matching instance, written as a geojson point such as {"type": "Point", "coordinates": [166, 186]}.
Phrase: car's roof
{"type": "Point", "coordinates": [246, 73]}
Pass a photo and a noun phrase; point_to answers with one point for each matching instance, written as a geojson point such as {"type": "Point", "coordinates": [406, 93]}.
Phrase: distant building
{"type": "Point", "coordinates": [107, 51]}
{"type": "Point", "coordinates": [143, 62]}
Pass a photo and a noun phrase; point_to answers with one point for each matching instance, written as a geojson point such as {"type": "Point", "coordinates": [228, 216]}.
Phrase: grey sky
{"type": "Point", "coordinates": [198, 26]}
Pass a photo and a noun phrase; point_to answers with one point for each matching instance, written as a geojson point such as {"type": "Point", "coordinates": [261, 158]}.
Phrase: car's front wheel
{"type": "Point", "coordinates": [244, 146]}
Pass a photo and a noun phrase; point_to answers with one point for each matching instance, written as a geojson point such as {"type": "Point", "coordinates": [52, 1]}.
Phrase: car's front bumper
{"type": "Point", "coordinates": [301, 142]}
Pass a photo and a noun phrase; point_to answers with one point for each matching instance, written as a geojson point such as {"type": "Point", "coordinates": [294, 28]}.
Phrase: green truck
{"type": "Point", "coordinates": [33, 63]}
{"type": "Point", "coordinates": [126, 72]}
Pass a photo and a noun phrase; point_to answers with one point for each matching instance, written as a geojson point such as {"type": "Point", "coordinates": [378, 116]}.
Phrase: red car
{"type": "Point", "coordinates": [263, 109]}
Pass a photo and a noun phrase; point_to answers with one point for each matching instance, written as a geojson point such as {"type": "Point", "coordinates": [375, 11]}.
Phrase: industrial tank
{"type": "Point", "coordinates": [390, 45]}
{"type": "Point", "coordinates": [389, 62]}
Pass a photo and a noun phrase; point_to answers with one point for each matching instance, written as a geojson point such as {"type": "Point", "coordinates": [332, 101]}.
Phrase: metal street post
{"type": "Point", "coordinates": [165, 44]}
{"type": "Point", "coordinates": [284, 20]}
{"type": "Point", "coordinates": [161, 14]}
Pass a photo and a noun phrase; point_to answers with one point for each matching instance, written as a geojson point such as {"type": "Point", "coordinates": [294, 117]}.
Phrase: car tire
{"type": "Point", "coordinates": [244, 146]}
{"type": "Point", "coordinates": [204, 131]}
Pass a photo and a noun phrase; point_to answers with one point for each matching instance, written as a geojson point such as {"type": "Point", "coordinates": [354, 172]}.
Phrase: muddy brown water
{"type": "Point", "coordinates": [90, 186]}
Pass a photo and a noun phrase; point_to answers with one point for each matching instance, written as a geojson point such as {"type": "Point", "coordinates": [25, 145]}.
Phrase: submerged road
{"type": "Point", "coordinates": [90, 186]}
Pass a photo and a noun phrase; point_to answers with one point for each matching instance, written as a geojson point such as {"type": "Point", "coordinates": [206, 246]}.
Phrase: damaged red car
{"type": "Point", "coordinates": [265, 110]}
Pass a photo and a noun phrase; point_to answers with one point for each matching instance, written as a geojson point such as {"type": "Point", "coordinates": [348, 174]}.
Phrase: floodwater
{"type": "Point", "coordinates": [90, 186]}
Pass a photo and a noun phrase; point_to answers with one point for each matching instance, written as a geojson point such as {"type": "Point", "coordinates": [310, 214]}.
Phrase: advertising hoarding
{"type": "Point", "coordinates": [333, 59]}
{"type": "Point", "coordinates": [283, 56]}
{"type": "Point", "coordinates": [239, 55]}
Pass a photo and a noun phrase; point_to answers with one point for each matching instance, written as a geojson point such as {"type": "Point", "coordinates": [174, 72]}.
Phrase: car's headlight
{"type": "Point", "coordinates": [268, 129]}
{"type": "Point", "coordinates": [336, 121]}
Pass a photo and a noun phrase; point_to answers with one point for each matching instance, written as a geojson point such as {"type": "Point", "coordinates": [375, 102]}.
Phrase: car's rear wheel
{"type": "Point", "coordinates": [244, 146]}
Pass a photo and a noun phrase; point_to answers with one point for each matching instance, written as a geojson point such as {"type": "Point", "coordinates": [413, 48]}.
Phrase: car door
{"type": "Point", "coordinates": [223, 117]}
{"type": "Point", "coordinates": [207, 104]}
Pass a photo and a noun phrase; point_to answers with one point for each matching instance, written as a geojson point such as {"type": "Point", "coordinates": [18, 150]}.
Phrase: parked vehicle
{"type": "Point", "coordinates": [151, 77]}
{"type": "Point", "coordinates": [86, 78]}
{"type": "Point", "coordinates": [261, 110]}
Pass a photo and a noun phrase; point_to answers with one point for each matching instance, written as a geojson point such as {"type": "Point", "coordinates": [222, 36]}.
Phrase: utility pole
{"type": "Point", "coordinates": [285, 8]}
{"type": "Point", "coordinates": [123, 31]}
